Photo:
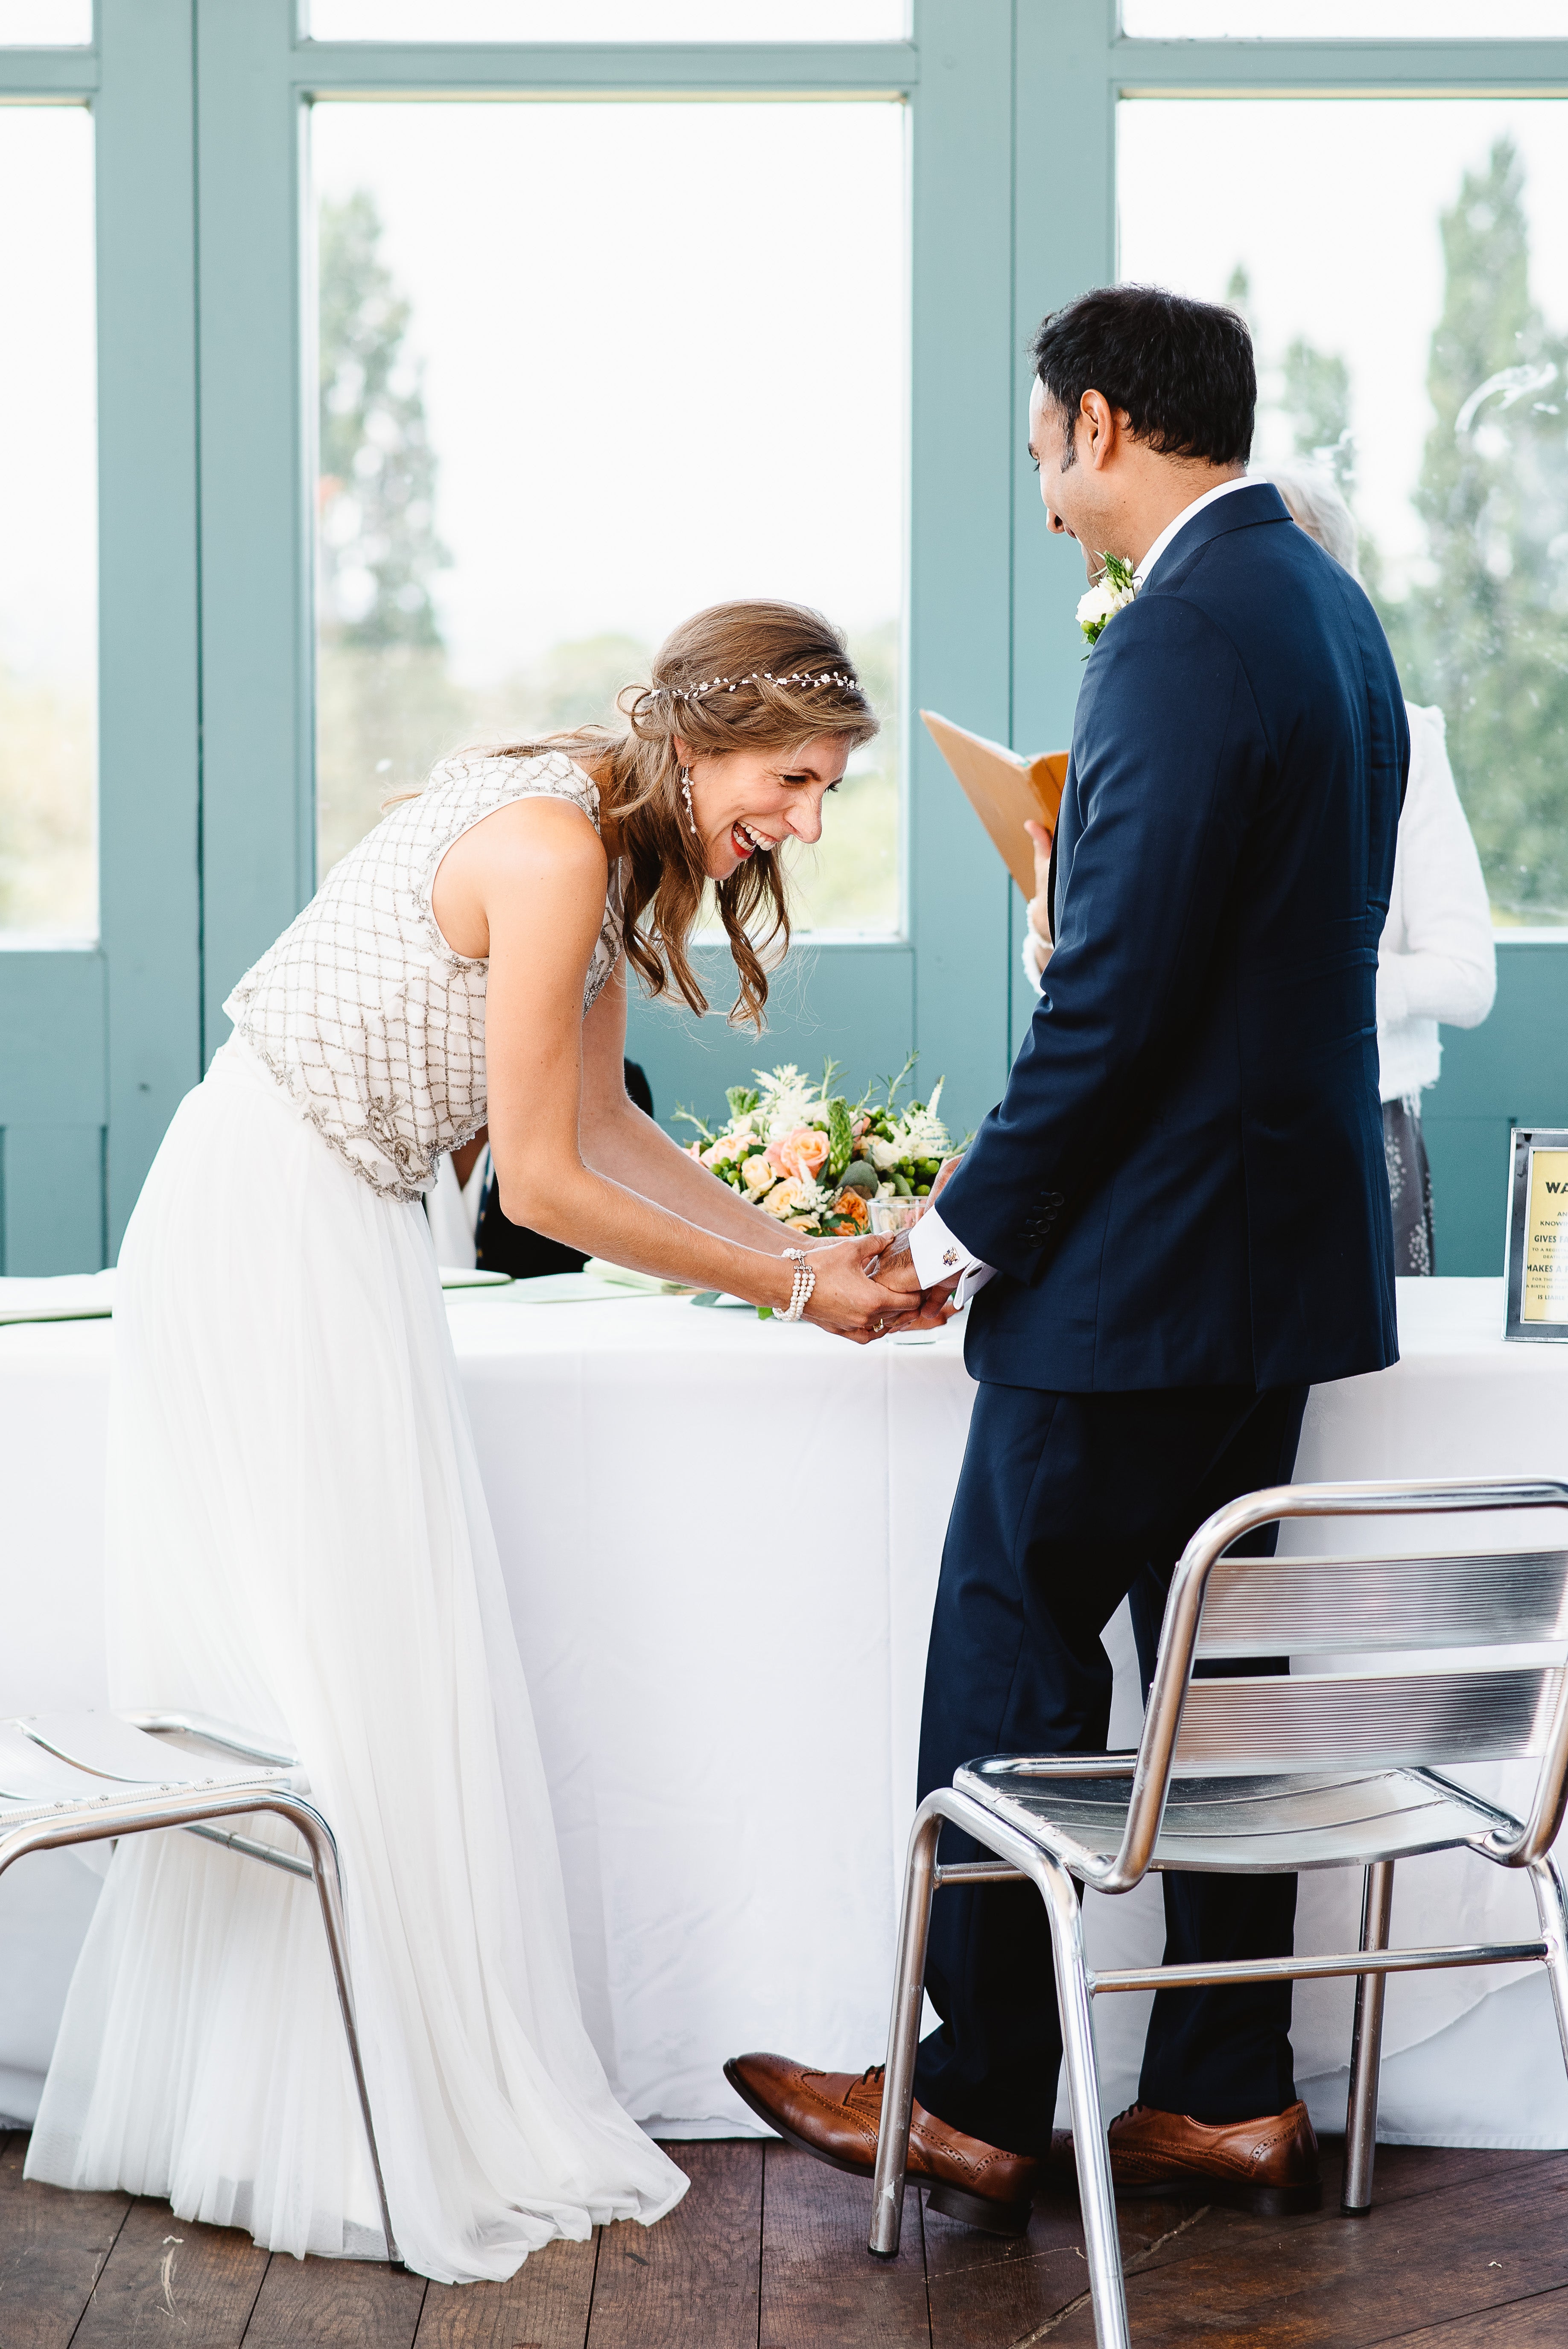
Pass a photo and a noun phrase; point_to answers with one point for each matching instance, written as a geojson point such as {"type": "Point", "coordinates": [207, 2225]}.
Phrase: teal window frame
{"type": "Point", "coordinates": [206, 815]}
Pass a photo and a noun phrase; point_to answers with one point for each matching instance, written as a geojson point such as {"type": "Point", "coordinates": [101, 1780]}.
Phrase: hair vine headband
{"type": "Point", "coordinates": [849, 682]}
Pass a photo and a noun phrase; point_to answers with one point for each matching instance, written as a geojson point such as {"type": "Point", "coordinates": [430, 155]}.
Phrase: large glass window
{"type": "Point", "coordinates": [1340, 20]}
{"type": "Point", "coordinates": [607, 20]}
{"type": "Point", "coordinates": [45, 24]}
{"type": "Point", "coordinates": [585, 368]}
{"type": "Point", "coordinates": [1404, 266]}
{"type": "Point", "coordinates": [48, 487]}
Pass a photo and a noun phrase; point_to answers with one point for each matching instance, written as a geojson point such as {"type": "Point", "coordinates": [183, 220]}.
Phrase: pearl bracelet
{"type": "Point", "coordinates": [801, 1290]}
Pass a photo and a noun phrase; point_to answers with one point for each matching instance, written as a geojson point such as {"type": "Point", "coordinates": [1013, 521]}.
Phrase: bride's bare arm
{"type": "Point", "coordinates": [619, 1141]}
{"type": "Point", "coordinates": [526, 886]}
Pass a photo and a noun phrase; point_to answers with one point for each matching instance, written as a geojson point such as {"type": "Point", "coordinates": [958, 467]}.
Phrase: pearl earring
{"type": "Point", "coordinates": [686, 794]}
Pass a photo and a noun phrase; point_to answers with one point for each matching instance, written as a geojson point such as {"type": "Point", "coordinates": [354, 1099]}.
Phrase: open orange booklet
{"type": "Point", "coordinates": [1005, 790]}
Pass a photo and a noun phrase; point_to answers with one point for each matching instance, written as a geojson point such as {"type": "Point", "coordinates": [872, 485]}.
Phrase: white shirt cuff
{"type": "Point", "coordinates": [938, 1253]}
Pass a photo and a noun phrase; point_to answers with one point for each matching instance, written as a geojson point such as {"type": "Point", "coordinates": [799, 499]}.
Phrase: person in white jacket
{"type": "Point", "coordinates": [1435, 961]}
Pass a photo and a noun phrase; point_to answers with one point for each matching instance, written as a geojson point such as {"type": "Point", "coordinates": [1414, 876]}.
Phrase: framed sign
{"type": "Point", "coordinates": [1536, 1265]}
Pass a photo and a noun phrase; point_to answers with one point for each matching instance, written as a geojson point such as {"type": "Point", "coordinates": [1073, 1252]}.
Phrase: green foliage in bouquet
{"type": "Point", "coordinates": [803, 1151]}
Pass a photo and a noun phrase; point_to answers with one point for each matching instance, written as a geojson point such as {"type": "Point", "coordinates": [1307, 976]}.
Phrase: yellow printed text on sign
{"type": "Point", "coordinates": [1544, 1296]}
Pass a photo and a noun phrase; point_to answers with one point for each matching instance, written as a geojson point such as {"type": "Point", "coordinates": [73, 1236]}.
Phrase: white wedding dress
{"type": "Point", "coordinates": [298, 1542]}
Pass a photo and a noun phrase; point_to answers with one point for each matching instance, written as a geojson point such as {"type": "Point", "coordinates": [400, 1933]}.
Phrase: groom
{"type": "Point", "coordinates": [1176, 1219]}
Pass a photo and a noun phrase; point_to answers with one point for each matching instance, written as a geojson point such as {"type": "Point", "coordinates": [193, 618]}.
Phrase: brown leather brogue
{"type": "Point", "coordinates": [1268, 2165]}
{"type": "Point", "coordinates": [836, 2117]}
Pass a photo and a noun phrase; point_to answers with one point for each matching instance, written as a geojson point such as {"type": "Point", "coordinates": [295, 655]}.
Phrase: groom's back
{"type": "Point", "coordinates": [1234, 1226]}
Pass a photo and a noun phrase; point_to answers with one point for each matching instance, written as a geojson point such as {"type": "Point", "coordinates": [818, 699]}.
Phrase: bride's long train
{"type": "Point", "coordinates": [298, 1543]}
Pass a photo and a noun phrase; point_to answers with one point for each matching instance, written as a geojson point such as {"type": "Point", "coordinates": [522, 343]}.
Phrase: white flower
{"type": "Point", "coordinates": [757, 1176]}
{"type": "Point", "coordinates": [788, 1100]}
{"type": "Point", "coordinates": [1102, 603]}
{"type": "Point", "coordinates": [784, 1199]}
{"type": "Point", "coordinates": [884, 1154]}
{"type": "Point", "coordinates": [812, 1197]}
{"type": "Point", "coordinates": [922, 1133]}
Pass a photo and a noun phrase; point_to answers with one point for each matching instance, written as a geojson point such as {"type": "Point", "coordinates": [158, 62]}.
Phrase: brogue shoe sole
{"type": "Point", "coordinates": [1204, 2186]}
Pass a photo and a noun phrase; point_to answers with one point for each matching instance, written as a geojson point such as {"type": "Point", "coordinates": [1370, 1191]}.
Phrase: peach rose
{"type": "Point", "coordinates": [758, 1174]}
{"type": "Point", "coordinates": [783, 1199]}
{"type": "Point", "coordinates": [801, 1152]}
{"type": "Point", "coordinates": [851, 1204]}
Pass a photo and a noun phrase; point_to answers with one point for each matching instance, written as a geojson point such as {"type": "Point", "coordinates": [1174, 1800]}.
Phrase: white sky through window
{"type": "Point", "coordinates": [1332, 206]}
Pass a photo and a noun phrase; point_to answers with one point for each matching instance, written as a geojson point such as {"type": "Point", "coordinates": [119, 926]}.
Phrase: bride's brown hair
{"type": "Point", "coordinates": [738, 677]}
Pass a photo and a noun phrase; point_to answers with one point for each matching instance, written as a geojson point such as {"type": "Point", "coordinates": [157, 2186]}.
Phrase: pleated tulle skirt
{"type": "Point", "coordinates": [298, 1543]}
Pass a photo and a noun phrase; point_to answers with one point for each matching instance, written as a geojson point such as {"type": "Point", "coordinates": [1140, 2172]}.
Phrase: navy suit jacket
{"type": "Point", "coordinates": [1184, 1182]}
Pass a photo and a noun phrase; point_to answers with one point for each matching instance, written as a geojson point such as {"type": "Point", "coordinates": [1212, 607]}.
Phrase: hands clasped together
{"type": "Point", "coordinates": [869, 1288]}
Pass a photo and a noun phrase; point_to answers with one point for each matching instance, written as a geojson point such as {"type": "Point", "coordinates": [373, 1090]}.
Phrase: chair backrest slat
{"type": "Point", "coordinates": [30, 1774]}
{"type": "Point", "coordinates": [1328, 1720]}
{"type": "Point", "coordinates": [1442, 1710]}
{"type": "Point", "coordinates": [111, 1748]}
{"type": "Point", "coordinates": [1319, 1606]}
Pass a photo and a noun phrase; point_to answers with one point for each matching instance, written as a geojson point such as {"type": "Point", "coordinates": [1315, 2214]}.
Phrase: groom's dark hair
{"type": "Point", "coordinates": [1182, 371]}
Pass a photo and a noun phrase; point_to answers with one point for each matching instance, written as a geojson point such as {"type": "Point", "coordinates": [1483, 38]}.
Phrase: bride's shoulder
{"type": "Point", "coordinates": [504, 774]}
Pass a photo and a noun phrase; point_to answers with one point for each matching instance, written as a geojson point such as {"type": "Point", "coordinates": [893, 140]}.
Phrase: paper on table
{"type": "Point", "coordinates": [640, 1284]}
{"type": "Point", "coordinates": [1005, 790]}
{"type": "Point", "coordinates": [573, 1288]}
{"type": "Point", "coordinates": [89, 1296]}
{"type": "Point", "coordinates": [61, 1297]}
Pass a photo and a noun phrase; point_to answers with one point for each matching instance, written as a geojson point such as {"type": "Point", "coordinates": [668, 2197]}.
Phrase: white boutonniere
{"type": "Point", "coordinates": [1105, 599]}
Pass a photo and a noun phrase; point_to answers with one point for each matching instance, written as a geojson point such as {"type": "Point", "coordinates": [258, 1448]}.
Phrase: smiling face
{"type": "Point", "coordinates": [745, 803]}
{"type": "Point", "coordinates": [1077, 496]}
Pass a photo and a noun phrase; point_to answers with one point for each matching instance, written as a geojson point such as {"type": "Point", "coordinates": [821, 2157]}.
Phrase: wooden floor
{"type": "Point", "coordinates": [1465, 2250]}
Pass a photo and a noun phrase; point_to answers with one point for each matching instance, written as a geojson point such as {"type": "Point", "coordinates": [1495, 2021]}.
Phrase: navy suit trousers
{"type": "Point", "coordinates": [1067, 1505]}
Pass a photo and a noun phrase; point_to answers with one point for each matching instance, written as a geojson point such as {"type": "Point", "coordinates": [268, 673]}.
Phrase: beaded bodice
{"type": "Point", "coordinates": [362, 1012]}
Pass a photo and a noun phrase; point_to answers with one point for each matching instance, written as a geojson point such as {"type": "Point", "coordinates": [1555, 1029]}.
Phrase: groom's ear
{"type": "Point", "coordinates": [1100, 429]}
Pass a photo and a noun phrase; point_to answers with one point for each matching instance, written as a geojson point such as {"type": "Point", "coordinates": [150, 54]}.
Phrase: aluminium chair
{"type": "Point", "coordinates": [85, 1777]}
{"type": "Point", "coordinates": [1436, 1661]}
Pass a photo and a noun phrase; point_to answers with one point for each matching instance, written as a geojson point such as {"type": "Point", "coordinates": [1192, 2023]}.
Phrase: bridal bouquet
{"type": "Point", "coordinates": [816, 1160]}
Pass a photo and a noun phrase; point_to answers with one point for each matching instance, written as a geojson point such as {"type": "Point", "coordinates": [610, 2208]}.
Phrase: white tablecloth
{"type": "Point", "coordinates": [721, 1541]}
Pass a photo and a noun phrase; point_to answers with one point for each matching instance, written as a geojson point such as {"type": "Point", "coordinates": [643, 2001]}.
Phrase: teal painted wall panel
{"type": "Point", "coordinates": [855, 1003]}
{"type": "Point", "coordinates": [257, 859]}
{"type": "Point", "coordinates": [149, 722]}
{"type": "Point", "coordinates": [52, 1039]}
{"type": "Point", "coordinates": [1511, 1071]}
{"type": "Point", "coordinates": [964, 368]}
{"type": "Point", "coordinates": [1066, 242]}
{"type": "Point", "coordinates": [52, 1190]}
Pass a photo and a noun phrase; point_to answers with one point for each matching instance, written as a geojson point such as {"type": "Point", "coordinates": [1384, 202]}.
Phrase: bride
{"type": "Point", "coordinates": [297, 1536]}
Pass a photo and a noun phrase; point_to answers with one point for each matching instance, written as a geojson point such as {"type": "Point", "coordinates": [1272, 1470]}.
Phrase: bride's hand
{"type": "Point", "coordinates": [845, 1300]}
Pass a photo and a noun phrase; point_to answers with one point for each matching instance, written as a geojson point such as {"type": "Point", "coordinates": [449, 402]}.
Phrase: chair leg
{"type": "Point", "coordinates": [1366, 2046]}
{"type": "Point", "coordinates": [903, 2037]}
{"type": "Point", "coordinates": [1097, 2196]}
{"type": "Point", "coordinates": [1552, 1908]}
{"type": "Point", "coordinates": [323, 1849]}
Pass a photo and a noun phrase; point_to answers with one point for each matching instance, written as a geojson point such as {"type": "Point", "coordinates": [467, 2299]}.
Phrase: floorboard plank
{"type": "Point", "coordinates": [1403, 2169]}
{"type": "Point", "coordinates": [543, 2307]}
{"type": "Point", "coordinates": [986, 2290]}
{"type": "Point", "coordinates": [692, 2278]}
{"type": "Point", "coordinates": [820, 2287]}
{"type": "Point", "coordinates": [1346, 2284]}
{"type": "Point", "coordinates": [346, 2304]}
{"type": "Point", "coordinates": [169, 2281]}
{"type": "Point", "coordinates": [1539, 2323]}
{"type": "Point", "coordinates": [53, 2246]}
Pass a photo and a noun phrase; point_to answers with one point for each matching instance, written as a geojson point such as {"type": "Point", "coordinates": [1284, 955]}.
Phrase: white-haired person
{"type": "Point", "coordinates": [1436, 963]}
{"type": "Point", "coordinates": [297, 1539]}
